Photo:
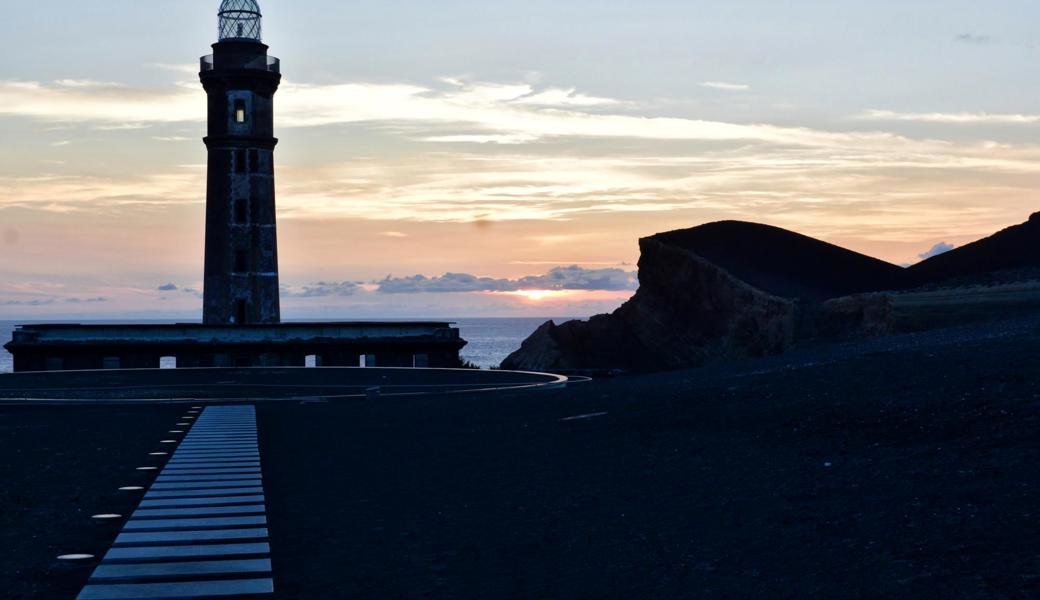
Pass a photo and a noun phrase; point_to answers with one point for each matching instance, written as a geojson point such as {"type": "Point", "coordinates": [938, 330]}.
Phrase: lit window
{"type": "Point", "coordinates": [240, 111]}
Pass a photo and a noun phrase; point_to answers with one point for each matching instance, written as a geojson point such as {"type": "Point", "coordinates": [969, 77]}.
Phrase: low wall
{"type": "Point", "coordinates": [96, 347]}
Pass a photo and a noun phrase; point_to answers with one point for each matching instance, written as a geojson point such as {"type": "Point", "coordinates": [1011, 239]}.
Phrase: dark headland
{"type": "Point", "coordinates": [732, 289]}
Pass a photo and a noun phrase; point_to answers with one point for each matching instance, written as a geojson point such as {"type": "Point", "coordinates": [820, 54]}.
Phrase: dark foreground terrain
{"type": "Point", "coordinates": [911, 471]}
{"type": "Point", "coordinates": [58, 467]}
{"type": "Point", "coordinates": [902, 468]}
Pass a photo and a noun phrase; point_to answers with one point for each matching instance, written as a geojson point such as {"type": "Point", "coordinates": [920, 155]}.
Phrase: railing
{"type": "Point", "coordinates": [262, 63]}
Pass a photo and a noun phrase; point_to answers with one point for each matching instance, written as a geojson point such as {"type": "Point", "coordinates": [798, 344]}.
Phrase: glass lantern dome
{"type": "Point", "coordinates": [240, 20]}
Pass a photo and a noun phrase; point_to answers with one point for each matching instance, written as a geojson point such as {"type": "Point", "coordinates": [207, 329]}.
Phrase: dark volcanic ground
{"type": "Point", "coordinates": [59, 466]}
{"type": "Point", "coordinates": [903, 468]}
{"type": "Point", "coordinates": [909, 473]}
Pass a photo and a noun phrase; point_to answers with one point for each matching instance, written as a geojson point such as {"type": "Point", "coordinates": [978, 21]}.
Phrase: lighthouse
{"type": "Point", "coordinates": [241, 312]}
{"type": "Point", "coordinates": [241, 264]}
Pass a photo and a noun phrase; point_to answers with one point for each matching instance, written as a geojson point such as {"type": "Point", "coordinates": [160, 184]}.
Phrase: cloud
{"type": "Point", "coordinates": [510, 113]}
{"type": "Point", "coordinates": [86, 300]}
{"type": "Point", "coordinates": [622, 158]}
{"type": "Point", "coordinates": [940, 248]}
{"type": "Point", "coordinates": [561, 97]}
{"type": "Point", "coordinates": [727, 87]}
{"type": "Point", "coordinates": [447, 283]}
{"type": "Point", "coordinates": [66, 193]}
{"type": "Point", "coordinates": [85, 83]}
{"type": "Point", "coordinates": [122, 126]}
{"type": "Point", "coordinates": [960, 118]}
{"type": "Point", "coordinates": [973, 38]}
{"type": "Point", "coordinates": [169, 287]}
{"type": "Point", "coordinates": [394, 234]}
{"type": "Point", "coordinates": [190, 69]}
{"type": "Point", "coordinates": [489, 138]}
{"type": "Point", "coordinates": [559, 278]}
{"type": "Point", "coordinates": [26, 302]}
{"type": "Point", "coordinates": [323, 289]}
{"type": "Point", "coordinates": [98, 102]}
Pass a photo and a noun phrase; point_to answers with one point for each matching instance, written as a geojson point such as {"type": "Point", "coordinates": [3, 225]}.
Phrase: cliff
{"type": "Point", "coordinates": [733, 289]}
{"type": "Point", "coordinates": [687, 311]}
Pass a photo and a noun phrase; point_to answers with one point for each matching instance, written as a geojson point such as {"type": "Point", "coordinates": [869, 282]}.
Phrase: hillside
{"type": "Point", "coordinates": [731, 289]}
{"type": "Point", "coordinates": [1016, 247]}
{"type": "Point", "coordinates": [785, 263]}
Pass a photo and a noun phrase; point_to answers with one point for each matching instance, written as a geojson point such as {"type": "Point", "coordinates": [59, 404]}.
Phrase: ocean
{"type": "Point", "coordinates": [490, 340]}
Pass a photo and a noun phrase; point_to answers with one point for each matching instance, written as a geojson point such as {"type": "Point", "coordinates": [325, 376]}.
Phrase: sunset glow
{"type": "Point", "coordinates": [391, 163]}
{"type": "Point", "coordinates": [541, 295]}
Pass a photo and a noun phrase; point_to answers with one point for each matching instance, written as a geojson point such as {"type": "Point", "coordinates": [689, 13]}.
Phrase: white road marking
{"type": "Point", "coordinates": [206, 505]}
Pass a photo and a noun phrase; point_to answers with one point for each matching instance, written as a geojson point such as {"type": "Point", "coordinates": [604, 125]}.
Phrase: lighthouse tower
{"type": "Point", "coordinates": [240, 79]}
{"type": "Point", "coordinates": [240, 309]}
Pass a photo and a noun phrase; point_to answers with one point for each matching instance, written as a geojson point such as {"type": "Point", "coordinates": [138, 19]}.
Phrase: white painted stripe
{"type": "Point", "coordinates": [149, 552]}
{"type": "Point", "coordinates": [182, 569]}
{"type": "Point", "coordinates": [182, 478]}
{"type": "Point", "coordinates": [249, 509]}
{"type": "Point", "coordinates": [192, 493]}
{"type": "Point", "coordinates": [200, 485]}
{"type": "Point", "coordinates": [215, 470]}
{"type": "Point", "coordinates": [194, 589]}
{"type": "Point", "coordinates": [195, 522]}
{"type": "Point", "coordinates": [208, 501]}
{"type": "Point", "coordinates": [215, 535]}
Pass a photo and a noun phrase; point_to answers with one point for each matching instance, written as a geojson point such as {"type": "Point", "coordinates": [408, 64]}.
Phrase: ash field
{"type": "Point", "coordinates": [901, 467]}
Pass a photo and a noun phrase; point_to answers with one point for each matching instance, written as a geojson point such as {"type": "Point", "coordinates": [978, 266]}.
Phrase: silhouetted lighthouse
{"type": "Point", "coordinates": [241, 279]}
{"type": "Point", "coordinates": [240, 310]}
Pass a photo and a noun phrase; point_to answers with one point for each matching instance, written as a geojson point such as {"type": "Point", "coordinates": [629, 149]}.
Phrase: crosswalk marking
{"type": "Point", "coordinates": [201, 529]}
{"type": "Point", "coordinates": [194, 589]}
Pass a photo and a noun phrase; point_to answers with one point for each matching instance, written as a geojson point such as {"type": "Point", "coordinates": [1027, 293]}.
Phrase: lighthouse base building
{"type": "Point", "coordinates": [241, 325]}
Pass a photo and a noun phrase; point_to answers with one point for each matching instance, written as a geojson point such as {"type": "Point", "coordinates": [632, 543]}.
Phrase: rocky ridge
{"type": "Point", "coordinates": [731, 289]}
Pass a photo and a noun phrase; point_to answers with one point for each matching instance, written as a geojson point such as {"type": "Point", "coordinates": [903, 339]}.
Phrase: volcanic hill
{"type": "Point", "coordinates": [1014, 248]}
{"type": "Point", "coordinates": [733, 289]}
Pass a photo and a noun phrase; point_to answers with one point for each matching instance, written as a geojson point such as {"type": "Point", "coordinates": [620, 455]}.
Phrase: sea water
{"type": "Point", "coordinates": [490, 340]}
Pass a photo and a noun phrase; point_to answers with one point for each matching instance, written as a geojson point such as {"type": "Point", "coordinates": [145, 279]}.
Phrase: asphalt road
{"type": "Point", "coordinates": [901, 468]}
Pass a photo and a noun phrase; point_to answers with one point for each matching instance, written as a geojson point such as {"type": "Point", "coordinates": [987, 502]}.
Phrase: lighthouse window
{"type": "Point", "coordinates": [240, 161]}
{"type": "Point", "coordinates": [240, 111]}
{"type": "Point", "coordinates": [254, 204]}
{"type": "Point", "coordinates": [241, 211]}
{"type": "Point", "coordinates": [254, 161]}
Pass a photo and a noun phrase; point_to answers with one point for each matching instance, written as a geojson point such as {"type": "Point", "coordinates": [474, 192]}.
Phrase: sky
{"type": "Point", "coordinates": [459, 158]}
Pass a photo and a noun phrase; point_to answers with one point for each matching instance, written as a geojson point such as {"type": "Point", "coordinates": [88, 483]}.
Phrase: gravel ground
{"type": "Point", "coordinates": [59, 466]}
{"type": "Point", "coordinates": [901, 469]}
{"type": "Point", "coordinates": [898, 468]}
